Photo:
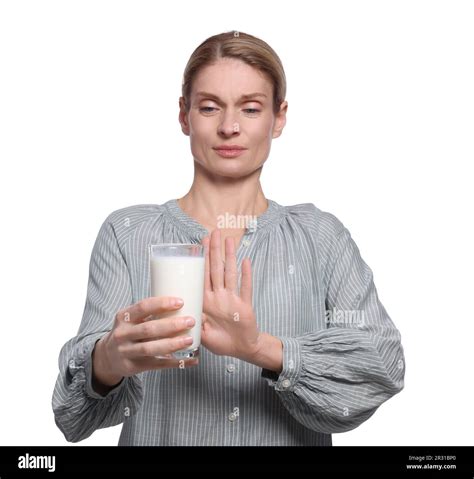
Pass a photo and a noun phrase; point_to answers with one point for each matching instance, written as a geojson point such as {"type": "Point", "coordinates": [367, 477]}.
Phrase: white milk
{"type": "Point", "coordinates": [182, 277]}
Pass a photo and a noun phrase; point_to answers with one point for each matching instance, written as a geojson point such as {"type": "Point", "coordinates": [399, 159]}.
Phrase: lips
{"type": "Point", "coordinates": [229, 147]}
{"type": "Point", "coordinates": [229, 151]}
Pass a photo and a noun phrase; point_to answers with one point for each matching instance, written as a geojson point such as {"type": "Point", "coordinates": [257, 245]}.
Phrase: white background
{"type": "Point", "coordinates": [379, 133]}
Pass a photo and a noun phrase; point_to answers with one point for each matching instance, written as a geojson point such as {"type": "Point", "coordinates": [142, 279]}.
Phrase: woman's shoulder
{"type": "Point", "coordinates": [125, 220]}
{"type": "Point", "coordinates": [320, 227]}
{"type": "Point", "coordinates": [134, 212]}
{"type": "Point", "coordinates": [320, 221]}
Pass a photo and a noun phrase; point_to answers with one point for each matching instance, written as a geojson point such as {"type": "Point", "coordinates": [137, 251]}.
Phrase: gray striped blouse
{"type": "Point", "coordinates": [342, 355]}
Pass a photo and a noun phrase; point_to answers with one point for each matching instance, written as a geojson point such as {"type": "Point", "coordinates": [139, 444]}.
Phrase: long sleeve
{"type": "Point", "coordinates": [78, 409]}
{"type": "Point", "coordinates": [335, 378]}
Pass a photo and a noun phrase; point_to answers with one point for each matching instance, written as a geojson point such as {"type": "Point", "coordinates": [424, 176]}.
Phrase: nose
{"type": "Point", "coordinates": [228, 126]}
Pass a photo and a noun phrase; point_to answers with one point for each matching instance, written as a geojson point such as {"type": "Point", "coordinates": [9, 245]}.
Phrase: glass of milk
{"type": "Point", "coordinates": [177, 269]}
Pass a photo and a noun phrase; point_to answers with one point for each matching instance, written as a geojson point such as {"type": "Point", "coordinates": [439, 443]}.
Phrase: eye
{"type": "Point", "coordinates": [251, 111]}
{"type": "Point", "coordinates": [207, 109]}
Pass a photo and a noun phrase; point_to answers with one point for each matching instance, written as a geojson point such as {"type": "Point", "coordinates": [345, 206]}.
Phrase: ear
{"type": "Point", "coordinates": [280, 120]}
{"type": "Point", "coordinates": [183, 117]}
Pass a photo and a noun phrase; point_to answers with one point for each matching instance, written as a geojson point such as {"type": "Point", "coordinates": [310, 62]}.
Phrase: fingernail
{"type": "Point", "coordinates": [188, 340]}
{"type": "Point", "coordinates": [190, 321]}
{"type": "Point", "coordinates": [178, 302]}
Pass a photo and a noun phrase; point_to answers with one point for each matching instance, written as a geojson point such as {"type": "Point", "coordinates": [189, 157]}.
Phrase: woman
{"type": "Point", "coordinates": [313, 351]}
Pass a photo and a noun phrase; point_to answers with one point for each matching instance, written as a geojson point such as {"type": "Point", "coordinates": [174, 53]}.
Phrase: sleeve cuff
{"type": "Point", "coordinates": [287, 380]}
{"type": "Point", "coordinates": [84, 361]}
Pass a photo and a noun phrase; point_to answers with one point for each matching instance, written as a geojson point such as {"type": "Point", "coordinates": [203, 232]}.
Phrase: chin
{"type": "Point", "coordinates": [231, 167]}
{"type": "Point", "coordinates": [238, 172]}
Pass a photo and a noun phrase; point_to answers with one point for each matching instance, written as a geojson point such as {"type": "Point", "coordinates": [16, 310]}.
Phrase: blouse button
{"type": "Point", "coordinates": [230, 368]}
{"type": "Point", "coordinates": [286, 383]}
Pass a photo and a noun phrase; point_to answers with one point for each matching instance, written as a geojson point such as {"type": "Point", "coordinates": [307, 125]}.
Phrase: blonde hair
{"type": "Point", "coordinates": [241, 46]}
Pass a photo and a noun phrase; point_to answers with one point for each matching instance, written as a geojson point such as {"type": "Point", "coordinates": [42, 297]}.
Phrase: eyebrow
{"type": "Point", "coordinates": [248, 96]}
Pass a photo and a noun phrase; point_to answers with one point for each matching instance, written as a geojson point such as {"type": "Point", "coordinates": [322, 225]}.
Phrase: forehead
{"type": "Point", "coordinates": [229, 78]}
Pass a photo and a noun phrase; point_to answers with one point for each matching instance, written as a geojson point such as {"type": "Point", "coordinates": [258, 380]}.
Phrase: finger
{"type": "Point", "coordinates": [207, 321]}
{"type": "Point", "coordinates": [160, 328]}
{"type": "Point", "coordinates": [148, 364]}
{"type": "Point", "coordinates": [159, 347]}
{"type": "Point", "coordinates": [231, 275]}
{"type": "Point", "coordinates": [246, 283]}
{"type": "Point", "coordinates": [207, 271]}
{"type": "Point", "coordinates": [154, 305]}
{"type": "Point", "coordinates": [217, 267]}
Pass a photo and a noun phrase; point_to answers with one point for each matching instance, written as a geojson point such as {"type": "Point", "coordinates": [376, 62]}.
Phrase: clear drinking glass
{"type": "Point", "coordinates": [177, 269]}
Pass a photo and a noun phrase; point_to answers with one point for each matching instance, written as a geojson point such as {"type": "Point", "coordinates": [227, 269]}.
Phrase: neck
{"type": "Point", "coordinates": [213, 197]}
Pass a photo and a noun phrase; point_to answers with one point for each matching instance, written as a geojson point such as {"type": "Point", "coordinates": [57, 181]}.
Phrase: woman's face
{"type": "Point", "coordinates": [221, 114]}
